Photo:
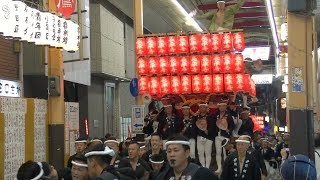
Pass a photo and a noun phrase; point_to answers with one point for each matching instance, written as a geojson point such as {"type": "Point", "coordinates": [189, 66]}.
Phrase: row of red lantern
{"type": "Point", "coordinates": [195, 43]}
{"type": "Point", "coordinates": [195, 64]}
{"type": "Point", "coordinates": [216, 83]}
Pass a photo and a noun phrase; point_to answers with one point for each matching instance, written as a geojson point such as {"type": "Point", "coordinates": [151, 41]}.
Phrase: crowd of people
{"type": "Point", "coordinates": [210, 145]}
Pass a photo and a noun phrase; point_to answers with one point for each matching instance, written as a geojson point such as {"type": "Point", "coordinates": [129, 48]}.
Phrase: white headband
{"type": "Point", "coordinates": [107, 151]}
{"type": "Point", "coordinates": [222, 104]}
{"type": "Point", "coordinates": [242, 141]}
{"type": "Point", "coordinates": [79, 164]}
{"type": "Point", "coordinates": [111, 141]}
{"type": "Point", "coordinates": [155, 162]}
{"type": "Point", "coordinates": [221, 2]}
{"type": "Point", "coordinates": [167, 105]}
{"type": "Point", "coordinates": [142, 147]}
{"type": "Point", "coordinates": [177, 142]}
{"type": "Point", "coordinates": [246, 136]}
{"type": "Point", "coordinates": [81, 141]}
{"type": "Point", "coordinates": [96, 140]}
{"type": "Point", "coordinates": [41, 172]}
{"type": "Point", "coordinates": [185, 107]}
{"type": "Point", "coordinates": [203, 104]}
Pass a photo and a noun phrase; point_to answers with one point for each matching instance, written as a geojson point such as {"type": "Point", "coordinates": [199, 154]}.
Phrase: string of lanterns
{"type": "Point", "coordinates": [191, 64]}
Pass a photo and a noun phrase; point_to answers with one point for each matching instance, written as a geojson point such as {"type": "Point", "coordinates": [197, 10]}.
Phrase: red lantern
{"type": "Point", "coordinates": [226, 42]}
{"type": "Point", "coordinates": [185, 84]}
{"type": "Point", "coordinates": [247, 80]}
{"type": "Point", "coordinates": [217, 83]}
{"type": "Point", "coordinates": [184, 64]}
{"type": "Point", "coordinates": [240, 82]}
{"type": "Point", "coordinates": [195, 43]}
{"type": "Point", "coordinates": [238, 41]}
{"type": "Point", "coordinates": [207, 83]}
{"type": "Point", "coordinates": [205, 43]}
{"type": "Point", "coordinates": [228, 63]}
{"type": "Point", "coordinates": [172, 45]}
{"type": "Point", "coordinates": [165, 87]}
{"type": "Point", "coordinates": [217, 63]}
{"type": "Point", "coordinates": [229, 82]}
{"type": "Point", "coordinates": [153, 66]}
{"type": "Point", "coordinates": [141, 46]}
{"type": "Point", "coordinates": [194, 64]}
{"type": "Point", "coordinates": [162, 45]}
{"type": "Point", "coordinates": [175, 85]}
{"type": "Point", "coordinates": [183, 46]}
{"type": "Point", "coordinates": [252, 88]}
{"type": "Point", "coordinates": [143, 85]}
{"type": "Point", "coordinates": [216, 42]}
{"type": "Point", "coordinates": [197, 84]}
{"type": "Point", "coordinates": [151, 43]}
{"type": "Point", "coordinates": [164, 65]}
{"type": "Point", "coordinates": [174, 64]}
{"type": "Point", "coordinates": [238, 63]}
{"type": "Point", "coordinates": [154, 86]}
{"type": "Point", "coordinates": [206, 64]}
{"type": "Point", "coordinates": [142, 66]}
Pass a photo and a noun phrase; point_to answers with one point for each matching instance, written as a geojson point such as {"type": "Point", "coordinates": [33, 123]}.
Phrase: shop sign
{"type": "Point", "coordinates": [10, 88]}
{"type": "Point", "coordinates": [256, 53]}
{"type": "Point", "coordinates": [66, 7]}
{"type": "Point", "coordinates": [21, 22]}
{"type": "Point", "coordinates": [262, 78]}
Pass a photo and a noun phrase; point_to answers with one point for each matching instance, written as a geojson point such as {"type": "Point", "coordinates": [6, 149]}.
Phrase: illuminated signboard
{"type": "Point", "coordinates": [258, 122]}
{"type": "Point", "coordinates": [262, 78]}
{"type": "Point", "coordinates": [42, 28]}
{"type": "Point", "coordinates": [256, 53]}
{"type": "Point", "coordinates": [10, 88]}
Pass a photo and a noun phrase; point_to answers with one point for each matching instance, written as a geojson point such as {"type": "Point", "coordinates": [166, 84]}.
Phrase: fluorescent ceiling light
{"type": "Point", "coordinates": [188, 17]}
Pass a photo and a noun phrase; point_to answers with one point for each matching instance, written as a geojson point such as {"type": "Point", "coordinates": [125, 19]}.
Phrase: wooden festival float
{"type": "Point", "coordinates": [192, 68]}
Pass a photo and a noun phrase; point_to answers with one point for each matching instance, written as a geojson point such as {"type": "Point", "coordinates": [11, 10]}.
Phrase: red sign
{"type": "Point", "coordinates": [66, 7]}
{"type": "Point", "coordinates": [258, 122]}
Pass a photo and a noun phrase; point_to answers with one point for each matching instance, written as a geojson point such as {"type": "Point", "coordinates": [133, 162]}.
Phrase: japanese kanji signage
{"type": "Point", "coordinates": [66, 7]}
{"type": "Point", "coordinates": [42, 28]}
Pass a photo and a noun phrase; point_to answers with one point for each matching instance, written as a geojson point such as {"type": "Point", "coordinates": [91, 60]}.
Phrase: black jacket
{"type": "Point", "coordinates": [212, 131]}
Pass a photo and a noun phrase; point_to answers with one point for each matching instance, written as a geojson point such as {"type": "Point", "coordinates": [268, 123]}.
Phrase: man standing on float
{"type": "Point", "coordinates": [223, 18]}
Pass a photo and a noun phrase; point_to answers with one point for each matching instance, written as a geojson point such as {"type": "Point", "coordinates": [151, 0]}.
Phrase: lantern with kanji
{"type": "Point", "coordinates": [165, 87]}
{"type": "Point", "coordinates": [217, 83]}
{"type": "Point", "coordinates": [143, 85]}
{"type": "Point", "coordinates": [162, 45]}
{"type": "Point", "coordinates": [238, 41]}
{"type": "Point", "coordinates": [229, 82]}
{"type": "Point", "coordinates": [141, 46]}
{"type": "Point", "coordinates": [173, 44]}
{"type": "Point", "coordinates": [195, 43]}
{"type": "Point", "coordinates": [154, 86]}
{"type": "Point", "coordinates": [247, 80]}
{"type": "Point", "coordinates": [252, 91]}
{"type": "Point", "coordinates": [228, 63]}
{"type": "Point", "coordinates": [184, 64]}
{"type": "Point", "coordinates": [164, 65]}
{"type": "Point", "coordinates": [226, 42]}
{"type": "Point", "coordinates": [216, 42]}
{"type": "Point", "coordinates": [238, 63]}
{"type": "Point", "coordinates": [195, 64]}
{"type": "Point", "coordinates": [183, 46]}
{"type": "Point", "coordinates": [153, 65]}
{"type": "Point", "coordinates": [239, 83]}
{"type": "Point", "coordinates": [151, 45]}
{"type": "Point", "coordinates": [205, 43]}
{"type": "Point", "coordinates": [175, 85]}
{"type": "Point", "coordinates": [142, 66]}
{"type": "Point", "coordinates": [186, 84]}
{"type": "Point", "coordinates": [207, 83]}
{"type": "Point", "coordinates": [197, 84]}
{"type": "Point", "coordinates": [206, 64]}
{"type": "Point", "coordinates": [217, 63]}
{"type": "Point", "coordinates": [174, 64]}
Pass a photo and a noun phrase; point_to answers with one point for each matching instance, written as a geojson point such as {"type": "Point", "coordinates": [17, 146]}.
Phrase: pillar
{"type": "Point", "coordinates": [300, 95]}
{"type": "Point", "coordinates": [56, 105]}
